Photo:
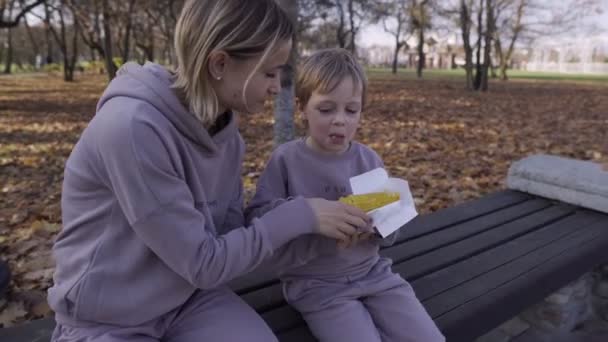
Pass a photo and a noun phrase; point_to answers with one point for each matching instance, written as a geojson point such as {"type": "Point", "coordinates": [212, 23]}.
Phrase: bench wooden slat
{"type": "Point", "coordinates": [500, 294]}
{"type": "Point", "coordinates": [283, 318]}
{"type": "Point", "coordinates": [297, 334]}
{"type": "Point", "coordinates": [439, 239]}
{"type": "Point", "coordinates": [474, 244]}
{"type": "Point", "coordinates": [425, 224]}
{"type": "Point", "coordinates": [39, 330]}
{"type": "Point", "coordinates": [446, 278]}
{"type": "Point", "coordinates": [266, 298]}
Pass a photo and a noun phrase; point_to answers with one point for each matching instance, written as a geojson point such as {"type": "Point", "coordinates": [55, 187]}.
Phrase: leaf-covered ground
{"type": "Point", "coordinates": [450, 144]}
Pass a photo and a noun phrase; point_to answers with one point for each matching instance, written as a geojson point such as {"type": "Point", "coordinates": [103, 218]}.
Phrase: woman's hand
{"type": "Point", "coordinates": [338, 220]}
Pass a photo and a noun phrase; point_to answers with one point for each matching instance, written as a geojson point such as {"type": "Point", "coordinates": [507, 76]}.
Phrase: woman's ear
{"type": "Point", "coordinates": [217, 64]}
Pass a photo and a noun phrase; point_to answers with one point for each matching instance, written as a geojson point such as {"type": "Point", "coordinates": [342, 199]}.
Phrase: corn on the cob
{"type": "Point", "coordinates": [371, 201]}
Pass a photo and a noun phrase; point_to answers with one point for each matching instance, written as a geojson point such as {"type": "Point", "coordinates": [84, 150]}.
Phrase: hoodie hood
{"type": "Point", "coordinates": [152, 83]}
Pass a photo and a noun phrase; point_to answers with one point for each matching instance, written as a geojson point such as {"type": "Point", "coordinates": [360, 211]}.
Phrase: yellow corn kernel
{"type": "Point", "coordinates": [371, 201]}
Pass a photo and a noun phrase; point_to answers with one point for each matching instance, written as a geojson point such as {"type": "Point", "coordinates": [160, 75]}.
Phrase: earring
{"type": "Point", "coordinates": [218, 78]}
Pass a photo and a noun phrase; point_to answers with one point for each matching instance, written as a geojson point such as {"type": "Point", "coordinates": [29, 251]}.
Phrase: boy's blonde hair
{"type": "Point", "coordinates": [241, 28]}
{"type": "Point", "coordinates": [324, 70]}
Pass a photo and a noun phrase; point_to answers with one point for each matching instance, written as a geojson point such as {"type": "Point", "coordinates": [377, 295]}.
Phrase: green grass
{"type": "Point", "coordinates": [456, 74]}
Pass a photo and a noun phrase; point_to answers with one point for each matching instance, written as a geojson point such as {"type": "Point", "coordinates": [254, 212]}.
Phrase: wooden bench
{"type": "Point", "coordinates": [473, 266]}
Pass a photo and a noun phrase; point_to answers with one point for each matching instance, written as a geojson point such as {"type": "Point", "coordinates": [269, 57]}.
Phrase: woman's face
{"type": "Point", "coordinates": [243, 88]}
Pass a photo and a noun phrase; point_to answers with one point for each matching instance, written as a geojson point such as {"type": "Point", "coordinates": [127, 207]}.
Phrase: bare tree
{"type": "Point", "coordinates": [124, 19]}
{"type": "Point", "coordinates": [320, 36]}
{"type": "Point", "coordinates": [8, 63]}
{"type": "Point", "coordinates": [94, 17]}
{"type": "Point", "coordinates": [314, 30]}
{"type": "Point", "coordinates": [9, 5]}
{"type": "Point", "coordinates": [30, 34]}
{"type": "Point", "coordinates": [310, 11]}
{"type": "Point", "coordinates": [159, 22]}
{"type": "Point", "coordinates": [107, 40]}
{"type": "Point", "coordinates": [465, 24]}
{"type": "Point", "coordinates": [341, 26]}
{"type": "Point", "coordinates": [143, 34]}
{"type": "Point", "coordinates": [480, 33]}
{"type": "Point", "coordinates": [395, 18]}
{"type": "Point", "coordinates": [421, 21]}
{"type": "Point", "coordinates": [526, 20]}
{"type": "Point", "coordinates": [67, 22]}
{"type": "Point", "coordinates": [511, 24]}
{"type": "Point", "coordinates": [487, 59]}
{"type": "Point", "coordinates": [89, 15]}
{"type": "Point", "coordinates": [351, 16]}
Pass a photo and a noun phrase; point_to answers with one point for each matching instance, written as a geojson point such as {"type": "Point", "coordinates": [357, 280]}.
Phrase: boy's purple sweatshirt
{"type": "Point", "coordinates": [152, 208]}
{"type": "Point", "coordinates": [294, 169]}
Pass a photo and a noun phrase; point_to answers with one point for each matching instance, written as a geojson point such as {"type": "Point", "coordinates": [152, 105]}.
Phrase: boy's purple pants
{"type": "Point", "coordinates": [212, 315]}
{"type": "Point", "coordinates": [379, 306]}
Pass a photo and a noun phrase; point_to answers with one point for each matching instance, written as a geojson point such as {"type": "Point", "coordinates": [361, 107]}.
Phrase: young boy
{"type": "Point", "coordinates": [344, 294]}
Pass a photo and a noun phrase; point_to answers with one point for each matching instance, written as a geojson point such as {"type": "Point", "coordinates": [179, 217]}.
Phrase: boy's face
{"type": "Point", "coordinates": [333, 117]}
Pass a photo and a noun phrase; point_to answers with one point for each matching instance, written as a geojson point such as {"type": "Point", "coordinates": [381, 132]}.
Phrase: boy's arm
{"type": "Point", "coordinates": [271, 189]}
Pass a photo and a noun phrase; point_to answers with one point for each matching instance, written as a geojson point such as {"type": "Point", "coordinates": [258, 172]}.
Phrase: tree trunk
{"type": "Point", "coordinates": [501, 57]}
{"type": "Point", "coordinates": [340, 34]}
{"type": "Point", "coordinates": [488, 45]}
{"type": "Point", "coordinates": [70, 66]}
{"type": "Point", "coordinates": [33, 42]}
{"type": "Point", "coordinates": [110, 66]}
{"type": "Point", "coordinates": [48, 35]}
{"type": "Point", "coordinates": [8, 66]}
{"type": "Point", "coordinates": [421, 55]}
{"type": "Point", "coordinates": [68, 75]}
{"type": "Point", "coordinates": [478, 69]}
{"type": "Point", "coordinates": [284, 106]}
{"type": "Point", "coordinates": [396, 55]}
{"type": "Point", "coordinates": [465, 22]}
{"type": "Point", "coordinates": [503, 72]}
{"type": "Point", "coordinates": [14, 22]}
{"type": "Point", "coordinates": [516, 31]}
{"type": "Point", "coordinates": [353, 31]}
{"type": "Point", "coordinates": [127, 43]}
{"type": "Point", "coordinates": [2, 54]}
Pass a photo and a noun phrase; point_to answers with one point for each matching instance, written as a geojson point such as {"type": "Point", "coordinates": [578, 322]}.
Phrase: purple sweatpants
{"type": "Point", "coordinates": [380, 306]}
{"type": "Point", "coordinates": [212, 315]}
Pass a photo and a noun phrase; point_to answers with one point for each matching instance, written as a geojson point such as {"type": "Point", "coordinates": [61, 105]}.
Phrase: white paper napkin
{"type": "Point", "coordinates": [393, 216]}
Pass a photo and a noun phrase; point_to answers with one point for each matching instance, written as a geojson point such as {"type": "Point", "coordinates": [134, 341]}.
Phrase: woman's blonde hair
{"type": "Point", "coordinates": [241, 28]}
{"type": "Point", "coordinates": [324, 70]}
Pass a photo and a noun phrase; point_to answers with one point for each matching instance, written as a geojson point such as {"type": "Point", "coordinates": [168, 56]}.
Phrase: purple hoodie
{"type": "Point", "coordinates": [152, 208]}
